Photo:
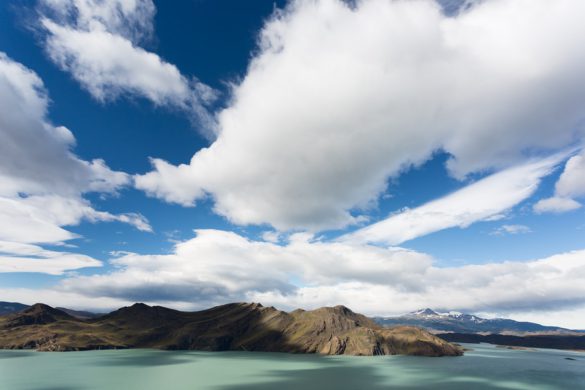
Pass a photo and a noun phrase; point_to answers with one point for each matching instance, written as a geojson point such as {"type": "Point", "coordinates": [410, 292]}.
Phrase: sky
{"type": "Point", "coordinates": [387, 155]}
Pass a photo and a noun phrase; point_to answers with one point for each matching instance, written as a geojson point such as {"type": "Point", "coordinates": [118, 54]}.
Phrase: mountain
{"type": "Point", "coordinates": [11, 307]}
{"type": "Point", "coordinates": [467, 323]}
{"type": "Point", "coordinates": [237, 326]}
{"type": "Point", "coordinates": [15, 307]}
{"type": "Point", "coordinates": [37, 314]}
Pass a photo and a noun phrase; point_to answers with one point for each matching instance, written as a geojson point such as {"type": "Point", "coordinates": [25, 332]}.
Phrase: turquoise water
{"type": "Point", "coordinates": [486, 367]}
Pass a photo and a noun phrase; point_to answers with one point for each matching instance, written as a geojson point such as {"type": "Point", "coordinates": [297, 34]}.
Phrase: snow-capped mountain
{"type": "Point", "coordinates": [467, 323]}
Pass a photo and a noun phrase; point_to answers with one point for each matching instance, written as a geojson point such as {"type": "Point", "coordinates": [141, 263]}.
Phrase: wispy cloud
{"type": "Point", "coordinates": [480, 201]}
{"type": "Point", "coordinates": [17, 257]}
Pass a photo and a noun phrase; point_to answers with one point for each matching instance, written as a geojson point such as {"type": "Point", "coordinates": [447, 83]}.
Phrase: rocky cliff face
{"type": "Point", "coordinates": [239, 326]}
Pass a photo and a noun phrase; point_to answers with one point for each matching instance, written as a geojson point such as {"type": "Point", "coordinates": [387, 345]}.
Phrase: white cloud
{"type": "Point", "coordinates": [571, 184]}
{"type": "Point", "coordinates": [39, 218]}
{"type": "Point", "coordinates": [572, 180]}
{"type": "Point", "coordinates": [26, 132]}
{"type": "Point", "coordinates": [547, 285]}
{"type": "Point", "coordinates": [480, 201]}
{"type": "Point", "coordinates": [97, 42]}
{"type": "Point", "coordinates": [55, 298]}
{"type": "Point", "coordinates": [341, 97]}
{"type": "Point", "coordinates": [511, 229]}
{"type": "Point", "coordinates": [271, 236]}
{"type": "Point", "coordinates": [16, 257]}
{"type": "Point", "coordinates": [132, 19]}
{"type": "Point", "coordinates": [556, 205]}
{"type": "Point", "coordinates": [217, 267]}
{"type": "Point", "coordinates": [20, 223]}
{"type": "Point", "coordinates": [570, 318]}
{"type": "Point", "coordinates": [42, 182]}
{"type": "Point", "coordinates": [69, 211]}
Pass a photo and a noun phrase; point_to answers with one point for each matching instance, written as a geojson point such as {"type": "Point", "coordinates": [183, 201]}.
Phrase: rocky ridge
{"type": "Point", "coordinates": [238, 326]}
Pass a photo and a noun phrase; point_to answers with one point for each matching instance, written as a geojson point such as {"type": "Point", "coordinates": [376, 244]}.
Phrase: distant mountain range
{"type": "Point", "coordinates": [11, 307]}
{"type": "Point", "coordinates": [237, 326]}
{"type": "Point", "coordinates": [467, 323]}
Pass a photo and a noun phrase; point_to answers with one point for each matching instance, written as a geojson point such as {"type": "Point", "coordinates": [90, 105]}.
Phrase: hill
{"type": "Point", "coordinates": [238, 326]}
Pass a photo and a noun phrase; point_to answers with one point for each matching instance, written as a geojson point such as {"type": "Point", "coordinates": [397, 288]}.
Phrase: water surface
{"type": "Point", "coordinates": [486, 367]}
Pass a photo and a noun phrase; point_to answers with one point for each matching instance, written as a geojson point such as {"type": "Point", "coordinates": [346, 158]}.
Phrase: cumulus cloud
{"type": "Point", "coordinates": [98, 43]}
{"type": "Point", "coordinates": [549, 284]}
{"type": "Point", "coordinates": [486, 199]}
{"type": "Point", "coordinates": [339, 97]}
{"type": "Point", "coordinates": [217, 267]}
{"type": "Point", "coordinates": [42, 181]}
{"type": "Point", "coordinates": [571, 184]}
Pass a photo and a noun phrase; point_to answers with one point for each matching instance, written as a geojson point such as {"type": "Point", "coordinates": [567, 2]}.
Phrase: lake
{"type": "Point", "coordinates": [485, 367]}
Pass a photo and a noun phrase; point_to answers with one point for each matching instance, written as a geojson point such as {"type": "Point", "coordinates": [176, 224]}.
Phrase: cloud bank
{"type": "Point", "coordinates": [218, 266]}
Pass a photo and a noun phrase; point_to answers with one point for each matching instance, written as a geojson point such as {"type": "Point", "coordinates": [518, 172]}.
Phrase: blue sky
{"type": "Point", "coordinates": [386, 155]}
